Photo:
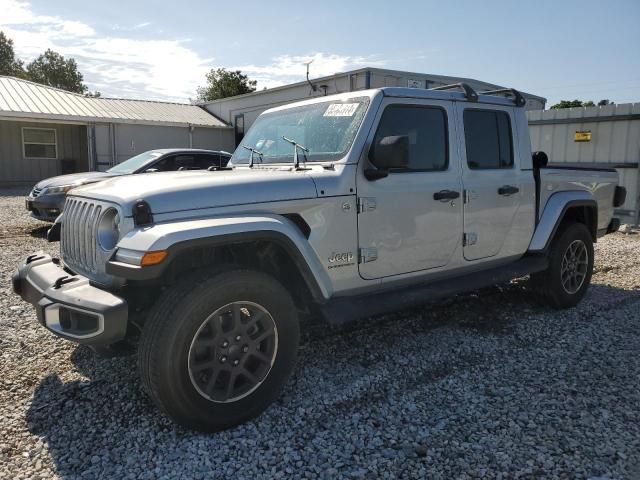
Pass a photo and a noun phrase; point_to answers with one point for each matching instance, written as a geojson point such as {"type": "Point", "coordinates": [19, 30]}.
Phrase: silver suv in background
{"type": "Point", "coordinates": [46, 199]}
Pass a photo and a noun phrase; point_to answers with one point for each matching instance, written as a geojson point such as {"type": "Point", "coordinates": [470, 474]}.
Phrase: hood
{"type": "Point", "coordinates": [188, 190]}
{"type": "Point", "coordinates": [73, 178]}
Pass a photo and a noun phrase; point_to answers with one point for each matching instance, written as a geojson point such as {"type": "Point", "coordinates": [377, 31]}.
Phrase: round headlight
{"type": "Point", "coordinates": [108, 229]}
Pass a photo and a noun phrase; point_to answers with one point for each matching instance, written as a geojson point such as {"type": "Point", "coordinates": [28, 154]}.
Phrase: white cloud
{"type": "Point", "coordinates": [165, 69]}
{"type": "Point", "coordinates": [285, 69]}
{"type": "Point", "coordinates": [115, 65]}
{"type": "Point", "coordinates": [141, 25]}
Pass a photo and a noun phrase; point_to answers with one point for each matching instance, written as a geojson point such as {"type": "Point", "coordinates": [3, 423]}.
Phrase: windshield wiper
{"type": "Point", "coordinates": [296, 159]}
{"type": "Point", "coordinates": [252, 150]}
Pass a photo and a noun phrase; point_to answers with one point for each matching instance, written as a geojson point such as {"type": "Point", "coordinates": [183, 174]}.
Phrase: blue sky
{"type": "Point", "coordinates": [161, 50]}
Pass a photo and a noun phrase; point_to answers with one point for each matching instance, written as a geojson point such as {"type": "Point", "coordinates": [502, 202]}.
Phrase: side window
{"type": "Point", "coordinates": [166, 164]}
{"type": "Point", "coordinates": [205, 161]}
{"type": "Point", "coordinates": [224, 159]}
{"type": "Point", "coordinates": [185, 162]}
{"type": "Point", "coordinates": [426, 128]}
{"type": "Point", "coordinates": [488, 139]}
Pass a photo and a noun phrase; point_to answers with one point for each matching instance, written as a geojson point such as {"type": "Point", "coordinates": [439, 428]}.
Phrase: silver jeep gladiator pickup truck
{"type": "Point", "coordinates": [333, 208]}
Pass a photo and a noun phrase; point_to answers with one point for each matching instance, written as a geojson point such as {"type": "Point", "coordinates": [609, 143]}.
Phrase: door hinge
{"type": "Point", "coordinates": [366, 255]}
{"type": "Point", "coordinates": [470, 238]}
{"type": "Point", "coordinates": [366, 204]}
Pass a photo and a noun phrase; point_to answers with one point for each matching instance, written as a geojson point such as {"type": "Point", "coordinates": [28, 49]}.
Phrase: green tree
{"type": "Point", "coordinates": [572, 104]}
{"type": "Point", "coordinates": [9, 64]}
{"type": "Point", "coordinates": [605, 102]}
{"type": "Point", "coordinates": [222, 83]}
{"type": "Point", "coordinates": [54, 70]}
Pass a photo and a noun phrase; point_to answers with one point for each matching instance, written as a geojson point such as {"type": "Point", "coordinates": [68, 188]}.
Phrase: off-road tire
{"type": "Point", "coordinates": [175, 321]}
{"type": "Point", "coordinates": [549, 284]}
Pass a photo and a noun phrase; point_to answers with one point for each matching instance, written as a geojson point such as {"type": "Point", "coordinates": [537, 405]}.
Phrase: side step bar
{"type": "Point", "coordinates": [340, 310]}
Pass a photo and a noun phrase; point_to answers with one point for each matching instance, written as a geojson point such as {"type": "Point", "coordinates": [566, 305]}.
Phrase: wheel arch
{"type": "Point", "coordinates": [571, 206]}
{"type": "Point", "coordinates": [274, 244]}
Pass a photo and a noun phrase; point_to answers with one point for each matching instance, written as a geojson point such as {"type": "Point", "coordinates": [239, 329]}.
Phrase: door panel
{"type": "Point", "coordinates": [488, 215]}
{"type": "Point", "coordinates": [492, 179]}
{"type": "Point", "coordinates": [400, 220]}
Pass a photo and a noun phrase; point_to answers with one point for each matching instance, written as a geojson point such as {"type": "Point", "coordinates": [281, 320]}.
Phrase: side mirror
{"type": "Point", "coordinates": [390, 152]}
{"type": "Point", "coordinates": [540, 159]}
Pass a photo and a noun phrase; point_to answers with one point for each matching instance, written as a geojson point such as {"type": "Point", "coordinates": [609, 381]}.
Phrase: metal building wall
{"type": "Point", "coordinates": [253, 104]}
{"type": "Point", "coordinates": [115, 143]}
{"type": "Point", "coordinates": [17, 170]}
{"type": "Point", "coordinates": [615, 142]}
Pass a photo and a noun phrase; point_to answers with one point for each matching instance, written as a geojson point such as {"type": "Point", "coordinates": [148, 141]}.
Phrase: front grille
{"type": "Point", "coordinates": [35, 192]}
{"type": "Point", "coordinates": [78, 236]}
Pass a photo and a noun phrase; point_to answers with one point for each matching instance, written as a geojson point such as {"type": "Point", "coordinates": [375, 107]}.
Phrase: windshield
{"type": "Point", "coordinates": [134, 163]}
{"type": "Point", "coordinates": [326, 129]}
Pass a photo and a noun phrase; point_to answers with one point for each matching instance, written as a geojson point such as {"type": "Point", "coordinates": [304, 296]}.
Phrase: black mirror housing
{"type": "Point", "coordinates": [540, 159]}
{"type": "Point", "coordinates": [390, 152]}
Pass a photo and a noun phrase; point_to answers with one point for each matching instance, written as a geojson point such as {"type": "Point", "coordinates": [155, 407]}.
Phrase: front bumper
{"type": "Point", "coordinates": [45, 207]}
{"type": "Point", "coordinates": [68, 305]}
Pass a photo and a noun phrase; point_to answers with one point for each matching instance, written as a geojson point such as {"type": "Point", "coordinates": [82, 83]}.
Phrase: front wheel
{"type": "Point", "coordinates": [217, 352]}
{"type": "Point", "coordinates": [568, 276]}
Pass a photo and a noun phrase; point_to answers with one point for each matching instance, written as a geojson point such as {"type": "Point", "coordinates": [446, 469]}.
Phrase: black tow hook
{"type": "Point", "coordinates": [33, 258]}
{"type": "Point", "coordinates": [63, 281]}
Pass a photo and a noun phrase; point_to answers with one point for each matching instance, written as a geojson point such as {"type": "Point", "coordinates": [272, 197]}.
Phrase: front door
{"type": "Point", "coordinates": [492, 180]}
{"type": "Point", "coordinates": [411, 220]}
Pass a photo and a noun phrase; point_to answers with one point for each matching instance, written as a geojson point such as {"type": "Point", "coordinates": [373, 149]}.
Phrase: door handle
{"type": "Point", "coordinates": [446, 195]}
{"type": "Point", "coordinates": [507, 190]}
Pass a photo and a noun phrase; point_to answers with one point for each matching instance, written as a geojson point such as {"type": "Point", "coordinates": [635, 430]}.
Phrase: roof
{"type": "Point", "coordinates": [187, 150]}
{"type": "Point", "coordinates": [441, 79]}
{"type": "Point", "coordinates": [25, 99]}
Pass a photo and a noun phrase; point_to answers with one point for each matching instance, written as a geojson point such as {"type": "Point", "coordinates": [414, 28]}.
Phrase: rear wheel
{"type": "Point", "coordinates": [217, 352]}
{"type": "Point", "coordinates": [568, 276]}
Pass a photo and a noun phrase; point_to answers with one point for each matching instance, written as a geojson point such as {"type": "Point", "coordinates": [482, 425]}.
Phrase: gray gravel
{"type": "Point", "coordinates": [488, 385]}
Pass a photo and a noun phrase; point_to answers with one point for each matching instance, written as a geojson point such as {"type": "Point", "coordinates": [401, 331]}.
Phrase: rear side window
{"type": "Point", "coordinates": [426, 128]}
{"type": "Point", "coordinates": [488, 139]}
{"type": "Point", "coordinates": [206, 160]}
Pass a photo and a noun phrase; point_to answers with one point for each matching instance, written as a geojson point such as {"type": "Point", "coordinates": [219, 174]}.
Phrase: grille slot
{"type": "Point", "coordinates": [35, 192]}
{"type": "Point", "coordinates": [78, 239]}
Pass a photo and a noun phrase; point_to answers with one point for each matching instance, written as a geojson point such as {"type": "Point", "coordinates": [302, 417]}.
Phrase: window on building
{"type": "Point", "coordinates": [426, 128]}
{"type": "Point", "coordinates": [39, 143]}
{"type": "Point", "coordinates": [488, 139]}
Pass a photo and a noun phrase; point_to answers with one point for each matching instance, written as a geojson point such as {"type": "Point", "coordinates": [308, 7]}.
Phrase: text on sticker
{"type": "Point", "coordinates": [341, 109]}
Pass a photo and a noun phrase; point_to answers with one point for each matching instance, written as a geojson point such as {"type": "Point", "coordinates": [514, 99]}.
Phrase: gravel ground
{"type": "Point", "coordinates": [487, 385]}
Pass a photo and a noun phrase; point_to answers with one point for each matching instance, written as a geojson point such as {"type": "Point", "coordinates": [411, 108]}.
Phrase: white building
{"type": "Point", "coordinates": [45, 131]}
{"type": "Point", "coordinates": [242, 110]}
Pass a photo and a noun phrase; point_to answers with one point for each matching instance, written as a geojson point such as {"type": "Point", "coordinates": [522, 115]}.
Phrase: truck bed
{"type": "Point", "coordinates": [600, 182]}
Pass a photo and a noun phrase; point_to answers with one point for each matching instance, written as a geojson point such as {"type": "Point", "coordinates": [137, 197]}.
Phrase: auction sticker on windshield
{"type": "Point", "coordinates": [341, 109]}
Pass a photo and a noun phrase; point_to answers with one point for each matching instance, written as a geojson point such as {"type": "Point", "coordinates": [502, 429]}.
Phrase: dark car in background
{"type": "Point", "coordinates": [46, 199]}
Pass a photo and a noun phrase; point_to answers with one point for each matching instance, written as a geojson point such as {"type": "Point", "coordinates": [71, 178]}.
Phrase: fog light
{"type": "Point", "coordinates": [73, 322]}
{"type": "Point", "coordinates": [78, 323]}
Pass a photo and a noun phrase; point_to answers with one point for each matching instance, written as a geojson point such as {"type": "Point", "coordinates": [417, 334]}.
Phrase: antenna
{"type": "Point", "coordinates": [313, 87]}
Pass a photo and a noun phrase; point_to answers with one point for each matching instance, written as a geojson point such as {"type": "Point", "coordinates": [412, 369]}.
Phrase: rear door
{"type": "Point", "coordinates": [411, 220]}
{"type": "Point", "coordinates": [493, 182]}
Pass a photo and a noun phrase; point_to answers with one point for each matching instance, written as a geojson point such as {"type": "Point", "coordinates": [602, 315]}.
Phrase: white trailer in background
{"type": "Point", "coordinates": [594, 137]}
